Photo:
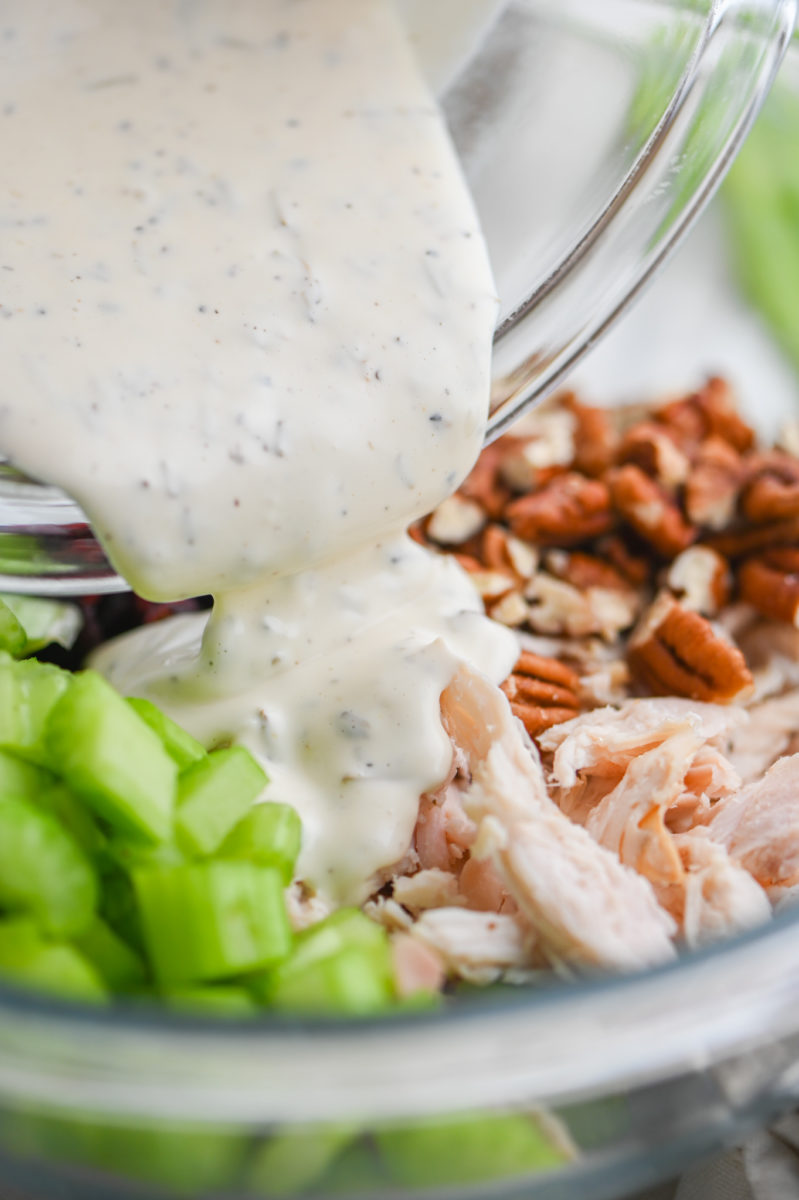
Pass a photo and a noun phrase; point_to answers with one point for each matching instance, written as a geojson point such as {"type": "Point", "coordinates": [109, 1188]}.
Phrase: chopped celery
{"type": "Point", "coordinates": [13, 638]}
{"type": "Point", "coordinates": [213, 796]}
{"type": "Point", "coordinates": [26, 958]}
{"type": "Point", "coordinates": [43, 621]}
{"type": "Point", "coordinates": [179, 744]}
{"type": "Point", "coordinates": [218, 1000]}
{"type": "Point", "coordinates": [211, 920]}
{"type": "Point", "coordinates": [21, 778]}
{"type": "Point", "coordinates": [352, 982]}
{"type": "Point", "coordinates": [340, 966]}
{"type": "Point", "coordinates": [112, 759]}
{"type": "Point", "coordinates": [73, 815]}
{"type": "Point", "coordinates": [43, 870]}
{"type": "Point", "coordinates": [119, 908]}
{"type": "Point", "coordinates": [28, 691]}
{"type": "Point", "coordinates": [269, 834]}
{"type": "Point", "coordinates": [113, 959]}
{"type": "Point", "coordinates": [292, 1159]}
{"type": "Point", "coordinates": [472, 1148]}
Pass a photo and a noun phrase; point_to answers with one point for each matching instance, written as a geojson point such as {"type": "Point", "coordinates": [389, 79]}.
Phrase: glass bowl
{"type": "Point", "coordinates": [589, 1088]}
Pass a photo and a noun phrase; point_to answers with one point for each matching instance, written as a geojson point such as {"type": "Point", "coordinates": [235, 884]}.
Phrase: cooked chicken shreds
{"type": "Point", "coordinates": [417, 967]}
{"type": "Point", "coordinates": [586, 907]}
{"type": "Point", "coordinates": [710, 777]}
{"type": "Point", "coordinates": [759, 826]}
{"type": "Point", "coordinates": [431, 888]}
{"type": "Point", "coordinates": [443, 831]}
{"type": "Point", "coordinates": [605, 740]}
{"type": "Point", "coordinates": [474, 945]}
{"type": "Point", "coordinates": [630, 819]}
{"type": "Point", "coordinates": [756, 745]}
{"type": "Point", "coordinates": [717, 897]}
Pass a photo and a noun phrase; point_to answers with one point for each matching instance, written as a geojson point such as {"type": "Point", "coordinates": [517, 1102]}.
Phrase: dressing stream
{"type": "Point", "coordinates": [248, 317]}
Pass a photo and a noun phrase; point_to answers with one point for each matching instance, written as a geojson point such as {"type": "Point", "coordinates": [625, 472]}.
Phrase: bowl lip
{"type": "Point", "coordinates": [485, 1003]}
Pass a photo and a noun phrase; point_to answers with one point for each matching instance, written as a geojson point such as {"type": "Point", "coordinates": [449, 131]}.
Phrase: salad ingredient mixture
{"type": "Point", "coordinates": [628, 790]}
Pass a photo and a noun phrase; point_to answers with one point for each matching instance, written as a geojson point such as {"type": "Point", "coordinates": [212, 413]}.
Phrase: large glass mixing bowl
{"type": "Point", "coordinates": [591, 134]}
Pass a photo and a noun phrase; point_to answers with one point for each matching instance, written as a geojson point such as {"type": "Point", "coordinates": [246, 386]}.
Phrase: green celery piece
{"type": "Point", "coordinates": [119, 908]}
{"type": "Point", "coordinates": [29, 960]}
{"type": "Point", "coordinates": [112, 759]}
{"type": "Point", "coordinates": [179, 1159]}
{"type": "Point", "coordinates": [213, 796]}
{"type": "Point", "coordinates": [357, 1170]}
{"type": "Point", "coordinates": [342, 929]}
{"type": "Point", "coordinates": [113, 959]}
{"type": "Point", "coordinates": [13, 638]}
{"type": "Point", "coordinates": [475, 1148]}
{"type": "Point", "coordinates": [179, 744]}
{"type": "Point", "coordinates": [21, 778]}
{"type": "Point", "coordinates": [291, 1160]}
{"type": "Point", "coordinates": [131, 854]}
{"type": "Point", "coordinates": [269, 834]}
{"type": "Point", "coordinates": [73, 814]}
{"type": "Point", "coordinates": [212, 1000]}
{"type": "Point", "coordinates": [41, 686]}
{"type": "Point", "coordinates": [43, 621]}
{"type": "Point", "coordinates": [212, 920]}
{"type": "Point", "coordinates": [353, 982]}
{"type": "Point", "coordinates": [43, 870]}
{"type": "Point", "coordinates": [340, 965]}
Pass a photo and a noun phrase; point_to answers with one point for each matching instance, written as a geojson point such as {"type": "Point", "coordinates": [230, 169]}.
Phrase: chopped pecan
{"type": "Point", "coordinates": [546, 443]}
{"type": "Point", "coordinates": [569, 510]}
{"type": "Point", "coordinates": [701, 579]}
{"type": "Point", "coordinates": [650, 512]}
{"type": "Point", "coordinates": [743, 540]}
{"type": "Point", "coordinates": [556, 607]}
{"type": "Point", "coordinates": [770, 583]}
{"type": "Point", "coordinates": [455, 521]}
{"type": "Point", "coordinates": [710, 411]}
{"type": "Point", "coordinates": [594, 437]}
{"type": "Point", "coordinates": [484, 484]}
{"type": "Point", "coordinates": [771, 491]}
{"type": "Point", "coordinates": [677, 652]}
{"type": "Point", "coordinates": [585, 570]}
{"type": "Point", "coordinates": [511, 610]}
{"type": "Point", "coordinates": [635, 568]}
{"type": "Point", "coordinates": [649, 447]}
{"type": "Point", "coordinates": [711, 490]}
{"type": "Point", "coordinates": [542, 692]}
{"type": "Point", "coordinates": [501, 551]}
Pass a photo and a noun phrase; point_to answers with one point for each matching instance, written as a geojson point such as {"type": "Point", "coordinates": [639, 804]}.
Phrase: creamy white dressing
{"type": "Point", "coordinates": [248, 317]}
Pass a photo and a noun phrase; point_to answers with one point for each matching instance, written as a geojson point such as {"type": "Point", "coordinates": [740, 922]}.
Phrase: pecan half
{"type": "Point", "coordinates": [770, 583]}
{"type": "Point", "coordinates": [569, 510]}
{"type": "Point", "coordinates": [771, 492]}
{"type": "Point", "coordinates": [711, 490]}
{"type": "Point", "coordinates": [542, 692]}
{"type": "Point", "coordinates": [650, 512]}
{"type": "Point", "coordinates": [677, 652]}
{"type": "Point", "coordinates": [737, 542]}
{"type": "Point", "coordinates": [635, 568]}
